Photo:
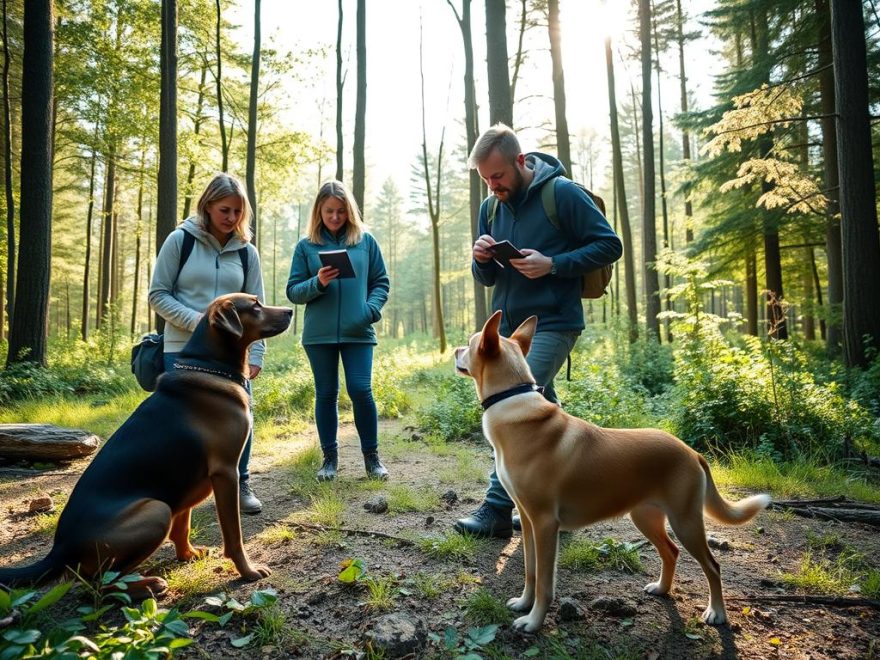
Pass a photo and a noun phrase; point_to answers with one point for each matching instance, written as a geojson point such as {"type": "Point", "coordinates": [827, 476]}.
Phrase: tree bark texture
{"type": "Point", "coordinates": [27, 337]}
{"type": "Point", "coordinates": [860, 238]}
{"type": "Point", "coordinates": [251, 167]}
{"type": "Point", "coordinates": [45, 442]}
{"type": "Point", "coordinates": [563, 143]}
{"type": "Point", "coordinates": [500, 103]}
{"type": "Point", "coordinates": [166, 200]}
{"type": "Point", "coordinates": [358, 173]}
{"type": "Point", "coordinates": [649, 229]}
{"type": "Point", "coordinates": [339, 86]}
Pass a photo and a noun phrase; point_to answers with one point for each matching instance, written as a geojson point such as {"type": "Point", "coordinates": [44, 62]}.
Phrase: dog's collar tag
{"type": "Point", "coordinates": [235, 378]}
{"type": "Point", "coordinates": [513, 391]}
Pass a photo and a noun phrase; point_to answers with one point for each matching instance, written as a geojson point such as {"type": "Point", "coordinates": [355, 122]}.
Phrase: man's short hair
{"type": "Point", "coordinates": [499, 137]}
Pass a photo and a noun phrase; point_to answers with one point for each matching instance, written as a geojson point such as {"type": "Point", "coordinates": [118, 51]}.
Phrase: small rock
{"type": "Point", "coordinates": [569, 610]}
{"type": "Point", "coordinates": [429, 521]}
{"type": "Point", "coordinates": [40, 504]}
{"type": "Point", "coordinates": [450, 497]}
{"type": "Point", "coordinates": [760, 530]}
{"type": "Point", "coordinates": [613, 606]}
{"type": "Point", "coordinates": [377, 504]}
{"type": "Point", "coordinates": [396, 635]}
{"type": "Point", "coordinates": [720, 544]}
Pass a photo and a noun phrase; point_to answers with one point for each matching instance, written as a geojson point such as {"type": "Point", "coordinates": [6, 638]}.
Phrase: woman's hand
{"type": "Point", "coordinates": [254, 371]}
{"type": "Point", "coordinates": [327, 274]}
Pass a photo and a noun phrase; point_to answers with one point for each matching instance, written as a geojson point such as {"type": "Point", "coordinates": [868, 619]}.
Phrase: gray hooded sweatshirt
{"type": "Point", "coordinates": [210, 271]}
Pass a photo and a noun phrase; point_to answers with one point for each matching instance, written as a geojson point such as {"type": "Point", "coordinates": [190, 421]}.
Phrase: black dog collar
{"type": "Point", "coordinates": [235, 378]}
{"type": "Point", "coordinates": [513, 391]}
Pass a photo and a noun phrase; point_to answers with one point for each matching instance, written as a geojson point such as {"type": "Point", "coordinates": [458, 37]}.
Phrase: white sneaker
{"type": "Point", "coordinates": [247, 501]}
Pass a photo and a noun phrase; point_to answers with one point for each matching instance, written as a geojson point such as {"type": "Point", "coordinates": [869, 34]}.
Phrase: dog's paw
{"type": "Point", "coordinates": [256, 572]}
{"type": "Point", "coordinates": [656, 589]}
{"type": "Point", "coordinates": [193, 553]}
{"type": "Point", "coordinates": [526, 624]}
{"type": "Point", "coordinates": [714, 617]}
{"type": "Point", "coordinates": [520, 604]}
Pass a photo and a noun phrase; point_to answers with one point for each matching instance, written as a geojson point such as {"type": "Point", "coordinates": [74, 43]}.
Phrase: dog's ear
{"type": "Point", "coordinates": [489, 340]}
{"type": "Point", "coordinates": [524, 333]}
{"type": "Point", "coordinates": [225, 317]}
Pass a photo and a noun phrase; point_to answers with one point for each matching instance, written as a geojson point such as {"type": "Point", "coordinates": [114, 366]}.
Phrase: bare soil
{"type": "Point", "coordinates": [326, 619]}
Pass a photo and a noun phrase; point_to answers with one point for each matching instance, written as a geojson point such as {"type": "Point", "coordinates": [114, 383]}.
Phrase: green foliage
{"type": "Point", "coordinates": [465, 647]}
{"type": "Point", "coordinates": [583, 554]}
{"type": "Point", "coordinates": [453, 412]}
{"type": "Point", "coordinates": [482, 608]}
{"type": "Point", "coordinates": [352, 570]}
{"type": "Point", "coordinates": [601, 394]}
{"type": "Point", "coordinates": [451, 546]}
{"type": "Point", "coordinates": [389, 384]}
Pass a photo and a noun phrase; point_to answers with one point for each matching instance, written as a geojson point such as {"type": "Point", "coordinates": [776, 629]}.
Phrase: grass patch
{"type": "Point", "coordinates": [451, 545]}
{"type": "Point", "coordinates": [830, 566]}
{"type": "Point", "coordinates": [801, 478]}
{"type": "Point", "coordinates": [563, 647]}
{"type": "Point", "coordinates": [327, 507]}
{"type": "Point", "coordinates": [482, 608]}
{"type": "Point", "coordinates": [276, 534]}
{"type": "Point", "coordinates": [402, 498]}
{"type": "Point", "coordinates": [273, 629]}
{"type": "Point", "coordinates": [200, 577]}
{"type": "Point", "coordinates": [464, 469]}
{"type": "Point", "coordinates": [301, 469]}
{"type": "Point", "coordinates": [585, 555]}
{"type": "Point", "coordinates": [429, 585]}
{"type": "Point", "coordinates": [381, 592]}
{"type": "Point", "coordinates": [201, 520]}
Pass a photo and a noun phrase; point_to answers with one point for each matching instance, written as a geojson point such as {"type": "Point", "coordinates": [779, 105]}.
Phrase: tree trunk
{"type": "Point", "coordinates": [45, 442]}
{"type": "Point", "coordinates": [27, 336]}
{"type": "Point", "coordinates": [358, 173]}
{"type": "Point", "coordinates": [166, 203]}
{"type": "Point", "coordinates": [809, 296]}
{"type": "Point", "coordinates": [620, 200]}
{"type": "Point", "coordinates": [197, 129]}
{"type": "Point", "coordinates": [519, 56]}
{"type": "Point", "coordinates": [340, 82]}
{"type": "Point", "coordinates": [7, 182]}
{"type": "Point", "coordinates": [563, 143]}
{"type": "Point", "coordinates": [138, 234]}
{"type": "Point", "coordinates": [752, 292]}
{"type": "Point", "coordinates": [685, 135]}
{"type": "Point", "coordinates": [224, 145]}
{"type": "Point", "coordinates": [834, 257]}
{"type": "Point", "coordinates": [860, 239]}
{"type": "Point", "coordinates": [107, 240]}
{"type": "Point", "coordinates": [252, 124]}
{"type": "Point", "coordinates": [649, 237]}
{"type": "Point", "coordinates": [500, 103]}
{"type": "Point", "coordinates": [667, 240]}
{"type": "Point", "coordinates": [471, 133]}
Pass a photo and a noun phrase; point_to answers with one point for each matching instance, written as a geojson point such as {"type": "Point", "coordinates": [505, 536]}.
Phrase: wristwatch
{"type": "Point", "coordinates": [552, 266]}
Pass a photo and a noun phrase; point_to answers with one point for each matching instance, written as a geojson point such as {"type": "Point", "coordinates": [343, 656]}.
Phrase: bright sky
{"type": "Point", "coordinates": [393, 124]}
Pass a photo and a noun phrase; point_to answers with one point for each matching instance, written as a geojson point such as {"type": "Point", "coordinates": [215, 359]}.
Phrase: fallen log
{"type": "Point", "coordinates": [828, 601]}
{"type": "Point", "coordinates": [45, 442]}
{"type": "Point", "coordinates": [839, 508]}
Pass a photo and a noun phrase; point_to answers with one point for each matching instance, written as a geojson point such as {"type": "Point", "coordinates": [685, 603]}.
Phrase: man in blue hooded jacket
{"type": "Point", "coordinates": [546, 282]}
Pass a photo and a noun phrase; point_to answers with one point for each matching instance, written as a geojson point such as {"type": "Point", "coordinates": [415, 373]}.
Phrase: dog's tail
{"type": "Point", "coordinates": [730, 513]}
{"type": "Point", "coordinates": [34, 574]}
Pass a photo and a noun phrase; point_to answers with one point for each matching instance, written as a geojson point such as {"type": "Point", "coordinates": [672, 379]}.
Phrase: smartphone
{"type": "Point", "coordinates": [504, 251]}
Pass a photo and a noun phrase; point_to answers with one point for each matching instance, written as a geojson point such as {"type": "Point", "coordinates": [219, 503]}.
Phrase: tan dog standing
{"type": "Point", "coordinates": [565, 473]}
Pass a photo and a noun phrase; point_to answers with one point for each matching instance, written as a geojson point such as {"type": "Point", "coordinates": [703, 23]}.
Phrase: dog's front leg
{"type": "Point", "coordinates": [546, 538]}
{"type": "Point", "coordinates": [225, 484]}
{"type": "Point", "coordinates": [524, 602]}
{"type": "Point", "coordinates": [179, 536]}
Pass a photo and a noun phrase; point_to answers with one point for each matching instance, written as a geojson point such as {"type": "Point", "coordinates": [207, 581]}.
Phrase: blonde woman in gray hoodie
{"type": "Point", "coordinates": [209, 255]}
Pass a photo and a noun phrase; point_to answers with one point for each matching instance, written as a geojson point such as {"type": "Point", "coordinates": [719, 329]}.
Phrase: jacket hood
{"type": "Point", "coordinates": [544, 166]}
{"type": "Point", "coordinates": [193, 225]}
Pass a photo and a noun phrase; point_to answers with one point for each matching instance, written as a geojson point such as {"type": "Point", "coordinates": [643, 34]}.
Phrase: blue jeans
{"type": "Point", "coordinates": [546, 357]}
{"type": "Point", "coordinates": [357, 361]}
{"type": "Point", "coordinates": [243, 473]}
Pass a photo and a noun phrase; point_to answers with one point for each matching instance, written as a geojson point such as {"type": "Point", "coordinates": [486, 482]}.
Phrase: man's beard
{"type": "Point", "coordinates": [518, 184]}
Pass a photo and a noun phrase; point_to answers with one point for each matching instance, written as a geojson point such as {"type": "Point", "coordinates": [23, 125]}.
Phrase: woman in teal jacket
{"type": "Point", "coordinates": [339, 318]}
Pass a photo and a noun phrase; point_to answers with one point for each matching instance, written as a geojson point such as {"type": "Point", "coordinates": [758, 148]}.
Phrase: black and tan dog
{"type": "Point", "coordinates": [565, 473]}
{"type": "Point", "coordinates": [180, 445]}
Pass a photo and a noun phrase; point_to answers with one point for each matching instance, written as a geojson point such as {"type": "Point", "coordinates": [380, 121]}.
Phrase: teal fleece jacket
{"type": "Point", "coordinates": [344, 311]}
{"type": "Point", "coordinates": [584, 241]}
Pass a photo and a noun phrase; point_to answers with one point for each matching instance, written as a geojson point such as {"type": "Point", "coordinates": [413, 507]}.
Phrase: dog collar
{"type": "Point", "coordinates": [513, 391]}
{"type": "Point", "coordinates": [235, 378]}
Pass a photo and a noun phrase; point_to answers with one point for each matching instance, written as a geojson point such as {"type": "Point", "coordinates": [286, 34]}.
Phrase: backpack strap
{"type": "Point", "coordinates": [548, 199]}
{"type": "Point", "coordinates": [492, 210]}
{"type": "Point", "coordinates": [189, 242]}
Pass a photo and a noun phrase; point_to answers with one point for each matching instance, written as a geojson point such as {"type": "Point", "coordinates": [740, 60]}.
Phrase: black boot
{"type": "Point", "coordinates": [487, 521]}
{"type": "Point", "coordinates": [374, 467]}
{"type": "Point", "coordinates": [328, 469]}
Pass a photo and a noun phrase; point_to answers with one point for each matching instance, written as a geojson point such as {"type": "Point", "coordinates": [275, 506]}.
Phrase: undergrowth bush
{"type": "Point", "coordinates": [453, 412]}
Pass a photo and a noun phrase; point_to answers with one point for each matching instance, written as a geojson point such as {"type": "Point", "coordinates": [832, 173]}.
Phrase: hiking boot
{"type": "Point", "coordinates": [247, 501]}
{"type": "Point", "coordinates": [487, 521]}
{"type": "Point", "coordinates": [328, 468]}
{"type": "Point", "coordinates": [374, 467]}
{"type": "Point", "coordinates": [516, 523]}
